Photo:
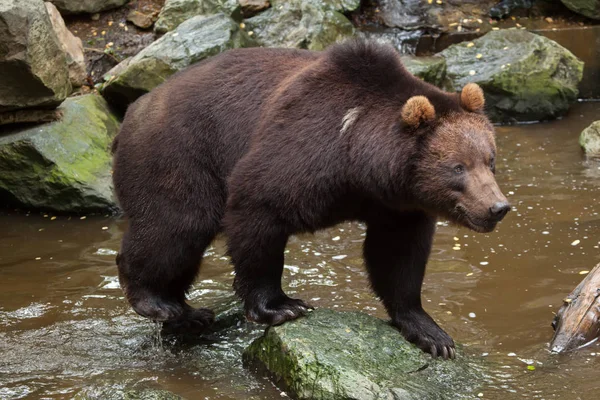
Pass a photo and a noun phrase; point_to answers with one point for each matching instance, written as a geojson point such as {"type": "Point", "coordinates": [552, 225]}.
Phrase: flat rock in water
{"type": "Point", "coordinates": [525, 77]}
{"type": "Point", "coordinates": [590, 139]}
{"type": "Point", "coordinates": [350, 355]}
{"type": "Point", "coordinates": [175, 12]}
{"type": "Point", "coordinates": [430, 69]}
{"type": "Point", "coordinates": [33, 67]}
{"type": "Point", "coordinates": [588, 8]}
{"type": "Point", "coordinates": [86, 6]}
{"type": "Point", "coordinates": [310, 24]}
{"type": "Point", "coordinates": [65, 165]}
{"type": "Point", "coordinates": [194, 40]}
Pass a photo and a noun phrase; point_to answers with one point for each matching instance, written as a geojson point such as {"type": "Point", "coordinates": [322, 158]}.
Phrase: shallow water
{"type": "Point", "coordinates": [64, 325]}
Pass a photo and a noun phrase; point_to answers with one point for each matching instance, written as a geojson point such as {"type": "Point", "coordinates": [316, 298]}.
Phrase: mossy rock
{"type": "Point", "coordinates": [65, 165]}
{"type": "Point", "coordinates": [430, 69]}
{"type": "Point", "coordinates": [590, 139]}
{"type": "Point", "coordinates": [175, 12]}
{"type": "Point", "coordinates": [350, 355]}
{"type": "Point", "coordinates": [308, 24]}
{"type": "Point", "coordinates": [194, 40]}
{"type": "Point", "coordinates": [525, 77]}
{"type": "Point", "coordinates": [588, 8]}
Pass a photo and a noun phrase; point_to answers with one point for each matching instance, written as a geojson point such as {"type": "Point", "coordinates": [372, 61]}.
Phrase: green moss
{"type": "Point", "coordinates": [331, 355]}
{"type": "Point", "coordinates": [63, 165]}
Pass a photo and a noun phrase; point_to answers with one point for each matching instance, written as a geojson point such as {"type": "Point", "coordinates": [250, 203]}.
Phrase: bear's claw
{"type": "Point", "coordinates": [277, 311]}
{"type": "Point", "coordinates": [192, 322]}
{"type": "Point", "coordinates": [423, 332]}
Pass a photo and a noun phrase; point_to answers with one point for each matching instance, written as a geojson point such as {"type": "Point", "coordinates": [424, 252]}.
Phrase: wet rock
{"type": "Point", "coordinates": [176, 11]}
{"type": "Point", "coordinates": [588, 8]}
{"type": "Point", "coordinates": [308, 24]}
{"type": "Point", "coordinates": [525, 77]}
{"type": "Point", "coordinates": [505, 7]}
{"type": "Point", "coordinates": [64, 165]}
{"type": "Point", "coordinates": [430, 69]}
{"type": "Point", "coordinates": [139, 19]}
{"type": "Point", "coordinates": [415, 14]}
{"type": "Point", "coordinates": [71, 45]}
{"type": "Point", "coordinates": [33, 67]}
{"type": "Point", "coordinates": [590, 139]}
{"type": "Point", "coordinates": [193, 41]}
{"type": "Point", "coordinates": [349, 355]}
{"type": "Point", "coordinates": [86, 6]}
{"type": "Point", "coordinates": [252, 7]}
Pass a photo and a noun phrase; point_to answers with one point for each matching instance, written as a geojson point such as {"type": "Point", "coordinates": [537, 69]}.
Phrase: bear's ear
{"type": "Point", "coordinates": [471, 98]}
{"type": "Point", "coordinates": [416, 110]}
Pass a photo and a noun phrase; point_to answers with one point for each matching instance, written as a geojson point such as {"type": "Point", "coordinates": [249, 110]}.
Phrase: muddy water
{"type": "Point", "coordinates": [64, 325]}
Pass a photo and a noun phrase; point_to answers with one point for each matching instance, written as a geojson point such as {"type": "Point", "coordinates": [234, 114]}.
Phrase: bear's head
{"type": "Point", "coordinates": [454, 174]}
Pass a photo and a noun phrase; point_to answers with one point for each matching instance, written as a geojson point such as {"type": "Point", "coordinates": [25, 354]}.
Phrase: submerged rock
{"type": "Point", "coordinates": [65, 165]}
{"type": "Point", "coordinates": [525, 77]}
{"type": "Point", "coordinates": [349, 355]}
{"type": "Point", "coordinates": [33, 67]}
{"type": "Point", "coordinates": [71, 46]}
{"type": "Point", "coordinates": [175, 12]}
{"type": "Point", "coordinates": [194, 40]}
{"type": "Point", "coordinates": [310, 24]}
{"type": "Point", "coordinates": [109, 392]}
{"type": "Point", "coordinates": [590, 139]}
{"type": "Point", "coordinates": [430, 69]}
{"type": "Point", "coordinates": [588, 8]}
{"type": "Point", "coordinates": [86, 6]}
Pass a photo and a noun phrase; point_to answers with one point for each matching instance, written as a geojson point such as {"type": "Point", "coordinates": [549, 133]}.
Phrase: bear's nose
{"type": "Point", "coordinates": [499, 210]}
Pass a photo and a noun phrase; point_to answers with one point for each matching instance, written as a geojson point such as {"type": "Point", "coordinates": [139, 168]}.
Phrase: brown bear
{"type": "Point", "coordinates": [267, 143]}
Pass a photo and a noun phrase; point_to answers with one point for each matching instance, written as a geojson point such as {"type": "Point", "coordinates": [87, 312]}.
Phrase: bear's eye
{"type": "Point", "coordinates": [493, 165]}
{"type": "Point", "coordinates": [459, 169]}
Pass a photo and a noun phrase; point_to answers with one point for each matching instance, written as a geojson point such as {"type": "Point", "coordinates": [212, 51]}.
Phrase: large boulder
{"type": "Point", "coordinates": [194, 40]}
{"type": "Point", "coordinates": [175, 12]}
{"type": "Point", "coordinates": [33, 67]}
{"type": "Point", "coordinates": [86, 6]}
{"type": "Point", "coordinates": [71, 45]}
{"type": "Point", "coordinates": [430, 69]}
{"type": "Point", "coordinates": [525, 77]}
{"type": "Point", "coordinates": [348, 355]}
{"type": "Point", "coordinates": [310, 24]}
{"type": "Point", "coordinates": [588, 8]}
{"type": "Point", "coordinates": [590, 139]}
{"type": "Point", "coordinates": [65, 165]}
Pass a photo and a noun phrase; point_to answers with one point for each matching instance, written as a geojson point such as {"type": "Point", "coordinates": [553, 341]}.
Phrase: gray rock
{"type": "Point", "coordinates": [194, 40]}
{"type": "Point", "coordinates": [71, 45]}
{"type": "Point", "coordinates": [175, 12]}
{"type": "Point", "coordinates": [588, 8]}
{"type": "Point", "coordinates": [86, 6]}
{"type": "Point", "coordinates": [65, 165]}
{"type": "Point", "coordinates": [525, 77]}
{"type": "Point", "coordinates": [590, 139]}
{"type": "Point", "coordinates": [310, 24]}
{"type": "Point", "coordinates": [349, 355]}
{"type": "Point", "coordinates": [430, 69]}
{"type": "Point", "coordinates": [33, 67]}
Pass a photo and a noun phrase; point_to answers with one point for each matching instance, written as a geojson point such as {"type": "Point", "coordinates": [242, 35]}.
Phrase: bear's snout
{"type": "Point", "coordinates": [499, 210]}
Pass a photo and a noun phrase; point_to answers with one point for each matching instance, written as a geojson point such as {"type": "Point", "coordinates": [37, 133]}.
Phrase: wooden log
{"type": "Point", "coordinates": [577, 322]}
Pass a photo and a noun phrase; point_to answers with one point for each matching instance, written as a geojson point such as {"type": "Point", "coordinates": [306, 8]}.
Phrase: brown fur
{"type": "Point", "coordinates": [472, 98]}
{"type": "Point", "coordinates": [268, 143]}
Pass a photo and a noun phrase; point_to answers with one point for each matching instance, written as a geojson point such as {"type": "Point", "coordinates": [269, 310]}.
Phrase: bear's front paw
{"type": "Point", "coordinates": [419, 328]}
{"type": "Point", "coordinates": [275, 311]}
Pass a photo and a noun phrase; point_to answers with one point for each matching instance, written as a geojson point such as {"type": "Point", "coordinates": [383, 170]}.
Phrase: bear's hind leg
{"type": "Point", "coordinates": [396, 251]}
{"type": "Point", "coordinates": [256, 245]}
{"type": "Point", "coordinates": [157, 265]}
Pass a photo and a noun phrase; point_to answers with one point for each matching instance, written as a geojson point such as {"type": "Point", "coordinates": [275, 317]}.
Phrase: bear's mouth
{"type": "Point", "coordinates": [480, 225]}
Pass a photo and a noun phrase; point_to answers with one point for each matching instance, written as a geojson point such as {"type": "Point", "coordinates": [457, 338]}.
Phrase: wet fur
{"type": "Point", "coordinates": [258, 143]}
